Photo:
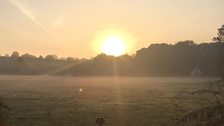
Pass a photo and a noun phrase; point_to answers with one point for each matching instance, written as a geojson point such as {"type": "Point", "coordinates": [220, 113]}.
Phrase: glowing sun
{"type": "Point", "coordinates": [114, 46]}
{"type": "Point", "coordinates": [113, 42]}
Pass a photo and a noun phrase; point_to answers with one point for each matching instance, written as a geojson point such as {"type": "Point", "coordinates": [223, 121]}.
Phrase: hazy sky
{"type": "Point", "coordinates": [69, 27]}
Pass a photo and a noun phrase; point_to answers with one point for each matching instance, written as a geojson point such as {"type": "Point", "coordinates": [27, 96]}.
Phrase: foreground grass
{"type": "Point", "coordinates": [69, 101]}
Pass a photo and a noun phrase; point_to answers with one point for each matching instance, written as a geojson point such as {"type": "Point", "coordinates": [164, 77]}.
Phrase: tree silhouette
{"type": "Point", "coordinates": [212, 115]}
{"type": "Point", "coordinates": [220, 37]}
{"type": "Point", "coordinates": [15, 55]}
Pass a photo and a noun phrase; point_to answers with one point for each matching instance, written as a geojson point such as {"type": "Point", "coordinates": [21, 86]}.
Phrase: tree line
{"type": "Point", "coordinates": [28, 64]}
{"type": "Point", "coordinates": [184, 58]}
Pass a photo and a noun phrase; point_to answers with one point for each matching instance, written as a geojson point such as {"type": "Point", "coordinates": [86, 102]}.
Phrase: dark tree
{"type": "Point", "coordinates": [220, 37]}
{"type": "Point", "coordinates": [51, 57]}
{"type": "Point", "coordinates": [15, 55]}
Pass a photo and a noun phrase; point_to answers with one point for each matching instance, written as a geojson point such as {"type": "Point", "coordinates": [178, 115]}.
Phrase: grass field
{"type": "Point", "coordinates": [77, 101]}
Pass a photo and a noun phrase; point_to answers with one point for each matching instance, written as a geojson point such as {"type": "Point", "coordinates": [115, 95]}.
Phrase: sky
{"type": "Point", "coordinates": [71, 27]}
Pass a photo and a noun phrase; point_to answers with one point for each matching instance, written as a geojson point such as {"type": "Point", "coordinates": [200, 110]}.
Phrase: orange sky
{"type": "Point", "coordinates": [70, 27]}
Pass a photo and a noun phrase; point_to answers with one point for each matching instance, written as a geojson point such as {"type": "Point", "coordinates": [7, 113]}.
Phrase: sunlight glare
{"type": "Point", "coordinates": [113, 42]}
{"type": "Point", "coordinates": [114, 46]}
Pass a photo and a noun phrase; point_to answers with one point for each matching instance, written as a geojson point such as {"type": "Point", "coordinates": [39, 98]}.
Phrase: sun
{"type": "Point", "coordinates": [113, 42]}
{"type": "Point", "coordinates": [113, 45]}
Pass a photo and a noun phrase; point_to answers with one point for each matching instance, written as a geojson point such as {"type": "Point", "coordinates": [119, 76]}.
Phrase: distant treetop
{"type": "Point", "coordinates": [220, 37]}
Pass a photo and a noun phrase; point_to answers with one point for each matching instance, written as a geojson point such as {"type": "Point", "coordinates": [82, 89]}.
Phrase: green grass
{"type": "Point", "coordinates": [122, 101]}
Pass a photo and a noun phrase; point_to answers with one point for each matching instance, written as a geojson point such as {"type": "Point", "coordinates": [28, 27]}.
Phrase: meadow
{"type": "Point", "coordinates": [122, 101]}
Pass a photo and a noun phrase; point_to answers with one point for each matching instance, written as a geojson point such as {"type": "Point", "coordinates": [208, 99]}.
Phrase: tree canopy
{"type": "Point", "coordinates": [180, 59]}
